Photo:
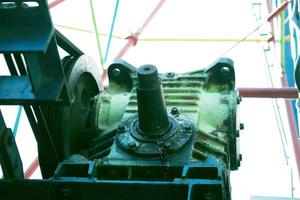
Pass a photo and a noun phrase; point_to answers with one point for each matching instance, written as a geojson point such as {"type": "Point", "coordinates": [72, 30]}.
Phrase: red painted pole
{"type": "Point", "coordinates": [132, 40]}
{"type": "Point", "coordinates": [290, 113]}
{"type": "Point", "coordinates": [31, 169]}
{"type": "Point", "coordinates": [286, 93]}
{"type": "Point", "coordinates": [55, 3]}
{"type": "Point", "coordinates": [293, 128]}
{"type": "Point", "coordinates": [276, 12]}
{"type": "Point", "coordinates": [294, 134]}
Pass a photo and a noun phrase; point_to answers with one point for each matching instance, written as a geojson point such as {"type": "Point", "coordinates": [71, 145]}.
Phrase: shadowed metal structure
{"type": "Point", "coordinates": [175, 132]}
{"type": "Point", "coordinates": [171, 135]}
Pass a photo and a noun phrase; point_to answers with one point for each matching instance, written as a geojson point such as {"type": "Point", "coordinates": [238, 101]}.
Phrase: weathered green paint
{"type": "Point", "coordinates": [199, 96]}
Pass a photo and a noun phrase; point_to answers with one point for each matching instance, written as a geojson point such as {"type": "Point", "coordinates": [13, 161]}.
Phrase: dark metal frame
{"type": "Point", "coordinates": [9, 154]}
{"type": "Point", "coordinates": [29, 44]}
{"type": "Point", "coordinates": [37, 80]}
{"type": "Point", "coordinates": [82, 184]}
{"type": "Point", "coordinates": [84, 189]}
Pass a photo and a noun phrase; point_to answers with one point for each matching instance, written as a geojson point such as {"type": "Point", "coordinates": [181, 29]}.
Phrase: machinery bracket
{"type": "Point", "coordinates": [32, 52]}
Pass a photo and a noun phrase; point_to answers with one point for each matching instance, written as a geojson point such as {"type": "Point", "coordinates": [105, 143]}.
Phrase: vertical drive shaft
{"type": "Point", "coordinates": [152, 112]}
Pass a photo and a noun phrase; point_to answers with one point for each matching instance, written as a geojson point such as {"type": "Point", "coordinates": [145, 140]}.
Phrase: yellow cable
{"type": "Point", "coordinates": [86, 31]}
{"type": "Point", "coordinates": [200, 40]}
{"type": "Point", "coordinates": [171, 39]}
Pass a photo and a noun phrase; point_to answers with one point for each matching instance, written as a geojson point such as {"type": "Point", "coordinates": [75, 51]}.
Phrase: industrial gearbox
{"type": "Point", "coordinates": [146, 136]}
{"type": "Point", "coordinates": [155, 135]}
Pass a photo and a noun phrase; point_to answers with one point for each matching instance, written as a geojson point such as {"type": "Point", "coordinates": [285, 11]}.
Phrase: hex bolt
{"type": "Point", "coordinates": [225, 71]}
{"type": "Point", "coordinates": [240, 157]}
{"type": "Point", "coordinates": [131, 144]}
{"type": "Point", "coordinates": [175, 111]}
{"type": "Point", "coordinates": [239, 99]}
{"type": "Point", "coordinates": [170, 74]}
{"type": "Point", "coordinates": [188, 127]}
{"type": "Point", "coordinates": [116, 72]}
{"type": "Point", "coordinates": [121, 128]}
{"type": "Point", "coordinates": [242, 126]}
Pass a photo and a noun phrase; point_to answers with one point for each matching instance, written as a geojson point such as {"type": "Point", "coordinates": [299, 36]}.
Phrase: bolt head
{"type": "Point", "coordinates": [242, 126]}
{"type": "Point", "coordinates": [240, 157]}
{"type": "Point", "coordinates": [170, 74]}
{"type": "Point", "coordinates": [239, 99]}
{"type": "Point", "coordinates": [174, 111]}
{"type": "Point", "coordinates": [237, 133]}
{"type": "Point", "coordinates": [121, 128]}
{"type": "Point", "coordinates": [131, 144]}
{"type": "Point", "coordinates": [188, 127]}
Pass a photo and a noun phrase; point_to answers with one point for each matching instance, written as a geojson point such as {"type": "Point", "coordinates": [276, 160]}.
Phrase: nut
{"type": "Point", "coordinates": [121, 128]}
{"type": "Point", "coordinates": [174, 111]}
{"type": "Point", "coordinates": [131, 144]}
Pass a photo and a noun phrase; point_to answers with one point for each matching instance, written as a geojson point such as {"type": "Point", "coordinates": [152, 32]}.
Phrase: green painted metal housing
{"type": "Point", "coordinates": [207, 97]}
